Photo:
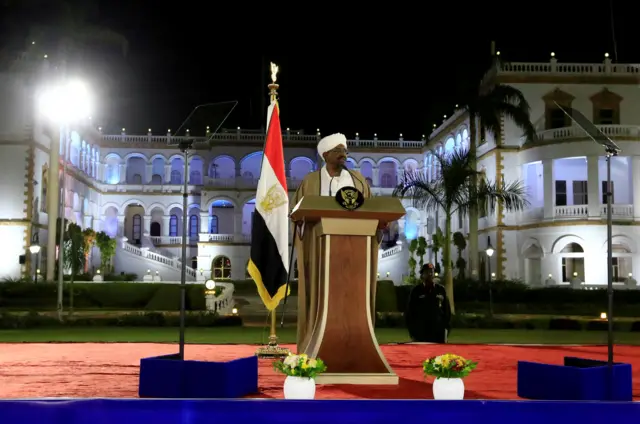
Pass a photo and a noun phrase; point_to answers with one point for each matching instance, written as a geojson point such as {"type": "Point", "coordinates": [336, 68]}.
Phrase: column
{"type": "Point", "coordinates": [146, 225]}
{"type": "Point", "coordinates": [237, 225]}
{"type": "Point", "coordinates": [98, 224]}
{"type": "Point", "coordinates": [204, 222]}
{"type": "Point", "coordinates": [635, 173]}
{"type": "Point", "coordinates": [148, 173]}
{"type": "Point", "coordinates": [123, 173]}
{"type": "Point", "coordinates": [121, 225]}
{"type": "Point", "coordinates": [287, 169]}
{"type": "Point", "coordinates": [376, 176]}
{"type": "Point", "coordinates": [167, 174]}
{"type": "Point", "coordinates": [593, 190]}
{"type": "Point", "coordinates": [238, 170]}
{"type": "Point", "coordinates": [88, 220]}
{"type": "Point", "coordinates": [548, 182]}
{"type": "Point", "coordinates": [166, 225]}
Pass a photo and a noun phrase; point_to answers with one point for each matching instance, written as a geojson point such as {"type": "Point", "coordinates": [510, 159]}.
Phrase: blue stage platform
{"type": "Point", "coordinates": [125, 411]}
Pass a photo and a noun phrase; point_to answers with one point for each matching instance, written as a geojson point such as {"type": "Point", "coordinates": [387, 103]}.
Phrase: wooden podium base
{"type": "Point", "coordinates": [357, 378]}
{"type": "Point", "coordinates": [343, 335]}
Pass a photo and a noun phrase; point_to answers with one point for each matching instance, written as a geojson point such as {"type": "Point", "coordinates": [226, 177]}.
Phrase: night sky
{"type": "Point", "coordinates": [377, 69]}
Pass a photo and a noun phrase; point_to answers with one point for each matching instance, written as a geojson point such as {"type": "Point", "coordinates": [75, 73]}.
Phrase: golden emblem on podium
{"type": "Point", "coordinates": [273, 199]}
{"type": "Point", "coordinates": [350, 198]}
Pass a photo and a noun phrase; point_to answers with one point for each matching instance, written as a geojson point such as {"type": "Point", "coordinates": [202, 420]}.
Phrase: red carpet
{"type": "Point", "coordinates": [111, 370]}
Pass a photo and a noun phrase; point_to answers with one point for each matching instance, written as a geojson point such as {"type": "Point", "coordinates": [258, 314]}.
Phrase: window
{"type": "Point", "coordinates": [195, 177]}
{"type": "Point", "coordinates": [386, 181]}
{"type": "Point", "coordinates": [605, 117]}
{"type": "Point", "coordinates": [580, 195]}
{"type": "Point", "coordinates": [156, 179]}
{"type": "Point", "coordinates": [557, 118]}
{"type": "Point", "coordinates": [136, 179]}
{"type": "Point", "coordinates": [213, 226]}
{"type": "Point", "coordinates": [604, 192]}
{"type": "Point", "coordinates": [248, 175]}
{"type": "Point", "coordinates": [176, 177]}
{"type": "Point", "coordinates": [561, 193]}
{"type": "Point", "coordinates": [221, 268]}
{"type": "Point", "coordinates": [193, 226]}
{"type": "Point", "coordinates": [137, 229]}
{"type": "Point", "coordinates": [173, 226]}
{"type": "Point", "coordinates": [155, 229]}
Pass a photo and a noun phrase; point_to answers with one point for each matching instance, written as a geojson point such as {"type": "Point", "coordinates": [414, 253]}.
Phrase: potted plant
{"type": "Point", "coordinates": [301, 372]}
{"type": "Point", "coordinates": [449, 370]}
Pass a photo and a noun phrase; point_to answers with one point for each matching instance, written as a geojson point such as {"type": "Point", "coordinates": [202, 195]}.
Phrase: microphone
{"type": "Point", "coordinates": [354, 176]}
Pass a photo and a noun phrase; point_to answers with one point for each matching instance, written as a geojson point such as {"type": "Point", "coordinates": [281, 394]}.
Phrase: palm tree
{"type": "Point", "coordinates": [486, 109]}
{"type": "Point", "coordinates": [454, 191]}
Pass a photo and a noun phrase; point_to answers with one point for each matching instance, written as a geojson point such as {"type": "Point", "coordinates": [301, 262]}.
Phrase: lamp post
{"type": "Point", "coordinates": [489, 253]}
{"type": "Point", "coordinates": [62, 104]}
{"type": "Point", "coordinates": [35, 250]}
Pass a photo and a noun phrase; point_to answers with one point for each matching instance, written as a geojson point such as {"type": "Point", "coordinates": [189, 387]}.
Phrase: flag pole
{"type": "Point", "coordinates": [272, 350]}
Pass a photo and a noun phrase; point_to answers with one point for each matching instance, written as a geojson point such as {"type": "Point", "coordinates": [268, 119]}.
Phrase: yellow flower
{"type": "Point", "coordinates": [313, 363]}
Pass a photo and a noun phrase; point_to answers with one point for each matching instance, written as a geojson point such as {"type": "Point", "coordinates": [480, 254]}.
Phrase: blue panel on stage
{"type": "Point", "coordinates": [120, 411]}
{"type": "Point", "coordinates": [577, 379]}
{"type": "Point", "coordinates": [168, 377]}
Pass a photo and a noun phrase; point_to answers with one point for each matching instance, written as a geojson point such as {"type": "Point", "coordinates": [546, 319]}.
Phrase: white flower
{"type": "Point", "coordinates": [291, 361]}
{"type": "Point", "coordinates": [438, 360]}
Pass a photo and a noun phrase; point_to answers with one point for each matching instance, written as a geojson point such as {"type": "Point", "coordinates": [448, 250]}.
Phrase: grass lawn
{"type": "Point", "coordinates": [258, 335]}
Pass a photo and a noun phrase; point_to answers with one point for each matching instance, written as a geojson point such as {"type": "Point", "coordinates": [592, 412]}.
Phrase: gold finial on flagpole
{"type": "Point", "coordinates": [273, 87]}
{"type": "Point", "coordinates": [272, 350]}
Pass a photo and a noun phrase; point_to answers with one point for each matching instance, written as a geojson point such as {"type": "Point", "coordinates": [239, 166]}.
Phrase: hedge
{"type": "Point", "coordinates": [144, 319]}
{"type": "Point", "coordinates": [396, 320]}
{"type": "Point", "coordinates": [114, 296]}
{"type": "Point", "coordinates": [509, 297]}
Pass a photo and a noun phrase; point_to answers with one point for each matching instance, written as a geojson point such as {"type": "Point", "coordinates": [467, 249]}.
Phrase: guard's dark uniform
{"type": "Point", "coordinates": [428, 314]}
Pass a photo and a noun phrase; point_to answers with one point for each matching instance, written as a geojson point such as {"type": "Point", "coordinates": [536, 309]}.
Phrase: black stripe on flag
{"type": "Point", "coordinates": [267, 261]}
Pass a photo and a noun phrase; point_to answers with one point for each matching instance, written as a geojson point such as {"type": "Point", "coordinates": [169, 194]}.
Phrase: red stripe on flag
{"type": "Point", "coordinates": [273, 148]}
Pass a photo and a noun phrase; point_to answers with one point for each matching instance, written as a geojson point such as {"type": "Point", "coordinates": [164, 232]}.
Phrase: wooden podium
{"type": "Point", "coordinates": [343, 331]}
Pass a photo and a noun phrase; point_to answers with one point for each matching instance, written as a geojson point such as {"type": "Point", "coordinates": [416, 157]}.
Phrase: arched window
{"type": "Point", "coordinates": [173, 226]}
{"type": "Point", "coordinates": [156, 179]}
{"type": "Point", "coordinates": [248, 175]}
{"type": "Point", "coordinates": [136, 179]}
{"type": "Point", "coordinates": [155, 229]}
{"type": "Point", "coordinates": [213, 227]}
{"type": "Point", "coordinates": [386, 181]}
{"type": "Point", "coordinates": [193, 226]}
{"type": "Point", "coordinates": [194, 262]}
{"type": "Point", "coordinates": [176, 177]}
{"type": "Point", "coordinates": [137, 228]}
{"type": "Point", "coordinates": [221, 267]}
{"type": "Point", "coordinates": [195, 177]}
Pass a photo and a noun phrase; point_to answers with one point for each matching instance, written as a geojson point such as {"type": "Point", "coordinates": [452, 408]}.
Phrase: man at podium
{"type": "Point", "coordinates": [327, 181]}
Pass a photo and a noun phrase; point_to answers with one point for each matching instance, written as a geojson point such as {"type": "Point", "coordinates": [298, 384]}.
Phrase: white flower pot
{"type": "Point", "coordinates": [448, 389]}
{"type": "Point", "coordinates": [301, 388]}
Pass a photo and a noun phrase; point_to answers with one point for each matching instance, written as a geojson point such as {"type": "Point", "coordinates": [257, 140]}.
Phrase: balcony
{"type": "Point", "coordinates": [242, 182]}
{"type": "Point", "coordinates": [575, 212]}
{"type": "Point", "coordinates": [574, 132]}
{"type": "Point", "coordinates": [618, 212]}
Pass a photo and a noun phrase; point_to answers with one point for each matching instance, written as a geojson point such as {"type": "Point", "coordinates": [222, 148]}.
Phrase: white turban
{"type": "Point", "coordinates": [330, 142]}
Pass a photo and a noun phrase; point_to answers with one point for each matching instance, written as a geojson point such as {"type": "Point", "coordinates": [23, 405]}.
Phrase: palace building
{"type": "Point", "coordinates": [130, 186]}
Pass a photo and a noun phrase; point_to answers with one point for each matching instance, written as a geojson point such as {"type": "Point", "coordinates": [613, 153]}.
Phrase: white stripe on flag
{"type": "Point", "coordinates": [277, 219]}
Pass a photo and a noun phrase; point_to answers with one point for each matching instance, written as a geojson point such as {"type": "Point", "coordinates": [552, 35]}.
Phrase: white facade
{"type": "Point", "coordinates": [130, 185]}
{"type": "Point", "coordinates": [561, 237]}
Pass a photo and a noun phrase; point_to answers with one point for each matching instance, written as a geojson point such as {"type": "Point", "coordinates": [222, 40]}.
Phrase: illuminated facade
{"type": "Point", "coordinates": [130, 185]}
